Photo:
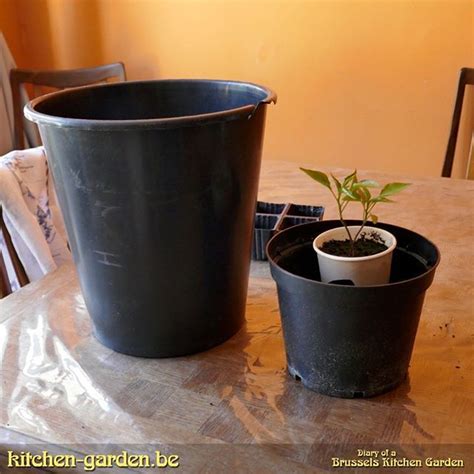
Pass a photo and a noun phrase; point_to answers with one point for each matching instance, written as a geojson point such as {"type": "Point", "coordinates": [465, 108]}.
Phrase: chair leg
{"type": "Point", "coordinates": [17, 265]}
{"type": "Point", "coordinates": [5, 287]}
{"type": "Point", "coordinates": [470, 163]}
{"type": "Point", "coordinates": [453, 135]}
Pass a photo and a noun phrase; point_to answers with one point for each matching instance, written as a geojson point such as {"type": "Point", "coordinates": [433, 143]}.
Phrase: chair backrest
{"type": "Point", "coordinates": [55, 79]}
{"type": "Point", "coordinates": [38, 81]}
{"type": "Point", "coordinates": [466, 77]}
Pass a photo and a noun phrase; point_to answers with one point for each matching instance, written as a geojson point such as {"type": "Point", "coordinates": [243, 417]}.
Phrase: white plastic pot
{"type": "Point", "coordinates": [361, 271]}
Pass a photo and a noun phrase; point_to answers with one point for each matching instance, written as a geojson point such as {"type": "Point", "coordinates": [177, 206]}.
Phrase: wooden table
{"type": "Point", "coordinates": [234, 408]}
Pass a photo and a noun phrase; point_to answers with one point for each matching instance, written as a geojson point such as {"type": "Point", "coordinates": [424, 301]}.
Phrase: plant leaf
{"type": "Point", "coordinates": [368, 183]}
{"type": "Point", "coordinates": [348, 198]}
{"type": "Point", "coordinates": [362, 192]}
{"type": "Point", "coordinates": [350, 178]}
{"type": "Point", "coordinates": [374, 218]}
{"type": "Point", "coordinates": [381, 199]}
{"type": "Point", "coordinates": [337, 183]}
{"type": "Point", "coordinates": [366, 192]}
{"type": "Point", "coordinates": [349, 193]}
{"type": "Point", "coordinates": [393, 188]}
{"type": "Point", "coordinates": [318, 176]}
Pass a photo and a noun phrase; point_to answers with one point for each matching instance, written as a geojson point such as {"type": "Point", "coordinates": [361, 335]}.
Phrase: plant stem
{"type": "Point", "coordinates": [365, 217]}
{"type": "Point", "coordinates": [341, 208]}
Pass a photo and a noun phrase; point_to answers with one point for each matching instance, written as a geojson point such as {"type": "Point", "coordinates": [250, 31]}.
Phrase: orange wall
{"type": "Point", "coordinates": [10, 30]}
{"type": "Point", "coordinates": [366, 84]}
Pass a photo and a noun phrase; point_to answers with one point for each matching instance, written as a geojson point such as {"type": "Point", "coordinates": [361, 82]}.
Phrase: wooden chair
{"type": "Point", "coordinates": [466, 77]}
{"type": "Point", "coordinates": [59, 79]}
{"type": "Point", "coordinates": [56, 79]}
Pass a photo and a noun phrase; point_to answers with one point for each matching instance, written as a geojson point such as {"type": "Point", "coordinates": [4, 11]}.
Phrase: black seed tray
{"type": "Point", "coordinates": [272, 217]}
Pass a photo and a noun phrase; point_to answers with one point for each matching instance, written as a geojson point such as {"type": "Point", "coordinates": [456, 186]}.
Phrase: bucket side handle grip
{"type": "Point", "coordinates": [270, 99]}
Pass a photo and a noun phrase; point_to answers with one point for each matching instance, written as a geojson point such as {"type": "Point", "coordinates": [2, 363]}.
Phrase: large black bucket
{"type": "Point", "coordinates": [343, 340]}
{"type": "Point", "coordinates": [157, 182]}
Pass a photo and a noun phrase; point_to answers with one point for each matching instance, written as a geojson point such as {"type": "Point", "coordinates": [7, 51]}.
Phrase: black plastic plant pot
{"type": "Point", "coordinates": [343, 340]}
{"type": "Point", "coordinates": [157, 181]}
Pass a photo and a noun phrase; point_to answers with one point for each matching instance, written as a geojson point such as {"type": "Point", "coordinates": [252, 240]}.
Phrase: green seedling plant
{"type": "Point", "coordinates": [350, 189]}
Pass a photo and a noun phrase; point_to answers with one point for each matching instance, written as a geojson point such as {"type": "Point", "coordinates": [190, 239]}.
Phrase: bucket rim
{"type": "Point", "coordinates": [277, 269]}
{"type": "Point", "coordinates": [246, 111]}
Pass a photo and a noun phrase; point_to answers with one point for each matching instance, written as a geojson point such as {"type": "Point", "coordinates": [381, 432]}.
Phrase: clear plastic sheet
{"type": "Point", "coordinates": [60, 385]}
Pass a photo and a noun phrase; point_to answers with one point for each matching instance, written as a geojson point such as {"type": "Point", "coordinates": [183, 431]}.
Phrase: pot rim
{"type": "Point", "coordinates": [338, 258]}
{"type": "Point", "coordinates": [278, 269]}
{"type": "Point", "coordinates": [33, 115]}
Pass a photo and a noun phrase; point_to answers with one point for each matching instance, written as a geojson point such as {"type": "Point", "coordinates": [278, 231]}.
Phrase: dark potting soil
{"type": "Point", "coordinates": [365, 245]}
